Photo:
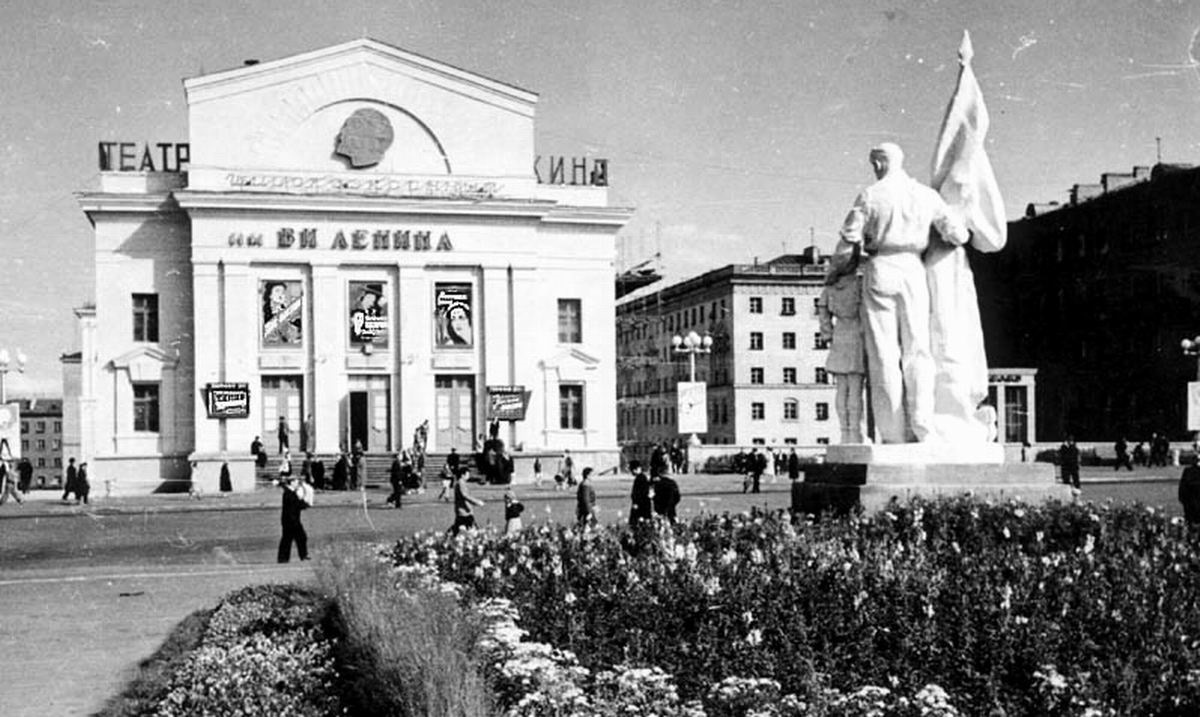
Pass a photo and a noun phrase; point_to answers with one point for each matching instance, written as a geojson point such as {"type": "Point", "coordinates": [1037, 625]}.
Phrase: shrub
{"type": "Point", "coordinates": [263, 652]}
{"type": "Point", "coordinates": [984, 600]}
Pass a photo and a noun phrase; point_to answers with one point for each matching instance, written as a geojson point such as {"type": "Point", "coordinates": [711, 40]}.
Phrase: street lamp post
{"type": "Point", "coordinates": [6, 364]}
{"type": "Point", "coordinates": [691, 345]}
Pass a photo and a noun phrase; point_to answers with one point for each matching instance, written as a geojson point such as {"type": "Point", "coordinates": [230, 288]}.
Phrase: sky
{"type": "Point", "coordinates": [737, 129]}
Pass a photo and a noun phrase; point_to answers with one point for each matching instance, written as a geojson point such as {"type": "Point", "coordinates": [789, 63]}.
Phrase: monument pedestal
{"type": "Point", "coordinates": [871, 476]}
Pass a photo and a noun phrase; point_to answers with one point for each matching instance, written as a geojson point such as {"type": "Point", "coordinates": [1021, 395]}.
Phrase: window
{"type": "Point", "coordinates": [823, 441]}
{"type": "Point", "coordinates": [570, 406]}
{"type": "Point", "coordinates": [41, 462]}
{"type": "Point", "coordinates": [819, 343]}
{"type": "Point", "coordinates": [756, 374]}
{"type": "Point", "coordinates": [791, 410]}
{"type": "Point", "coordinates": [822, 411]}
{"type": "Point", "coordinates": [570, 321]}
{"type": "Point", "coordinates": [758, 411]}
{"type": "Point", "coordinates": [41, 444]}
{"type": "Point", "coordinates": [789, 374]}
{"type": "Point", "coordinates": [756, 341]}
{"type": "Point", "coordinates": [58, 463]}
{"type": "Point", "coordinates": [817, 306]}
{"type": "Point", "coordinates": [789, 339]}
{"type": "Point", "coordinates": [24, 445]}
{"type": "Point", "coordinates": [24, 426]}
{"type": "Point", "coordinates": [145, 407]}
{"type": "Point", "coordinates": [41, 426]}
{"type": "Point", "coordinates": [758, 441]}
{"type": "Point", "coordinates": [822, 376]}
{"type": "Point", "coordinates": [756, 304]}
{"type": "Point", "coordinates": [145, 317]}
{"type": "Point", "coordinates": [58, 426]}
{"type": "Point", "coordinates": [791, 442]}
{"type": "Point", "coordinates": [787, 306]}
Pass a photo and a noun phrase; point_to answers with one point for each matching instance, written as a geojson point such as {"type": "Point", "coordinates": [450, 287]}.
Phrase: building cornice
{"type": "Point", "coordinates": [547, 212]}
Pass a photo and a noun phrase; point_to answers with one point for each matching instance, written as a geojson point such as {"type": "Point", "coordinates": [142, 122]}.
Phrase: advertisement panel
{"type": "Point", "coordinates": [368, 320]}
{"type": "Point", "coordinates": [507, 403]}
{"type": "Point", "coordinates": [10, 430]}
{"type": "Point", "coordinates": [452, 312]}
{"type": "Point", "coordinates": [693, 406]}
{"type": "Point", "coordinates": [282, 310]}
{"type": "Point", "coordinates": [227, 400]}
{"type": "Point", "coordinates": [1193, 406]}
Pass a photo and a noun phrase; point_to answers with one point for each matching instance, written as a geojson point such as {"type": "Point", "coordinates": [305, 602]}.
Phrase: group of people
{"type": "Point", "coordinates": [672, 456]}
{"type": "Point", "coordinates": [769, 462]}
{"type": "Point", "coordinates": [15, 481]}
{"type": "Point", "coordinates": [653, 494]}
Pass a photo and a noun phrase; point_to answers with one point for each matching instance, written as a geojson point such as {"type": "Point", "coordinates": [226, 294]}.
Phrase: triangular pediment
{"type": "Point", "coordinates": [145, 363]}
{"type": "Point", "coordinates": [571, 358]}
{"type": "Point", "coordinates": [363, 108]}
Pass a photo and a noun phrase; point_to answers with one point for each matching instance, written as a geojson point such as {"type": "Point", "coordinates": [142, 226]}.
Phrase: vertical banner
{"type": "Point", "coordinates": [1193, 406]}
{"type": "Point", "coordinates": [10, 431]}
{"type": "Point", "coordinates": [368, 319]}
{"type": "Point", "coordinates": [282, 310]}
{"type": "Point", "coordinates": [452, 309]}
{"type": "Point", "coordinates": [693, 406]}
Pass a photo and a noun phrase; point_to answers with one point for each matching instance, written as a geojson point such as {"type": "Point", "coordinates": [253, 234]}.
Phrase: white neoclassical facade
{"type": "Point", "coordinates": [359, 244]}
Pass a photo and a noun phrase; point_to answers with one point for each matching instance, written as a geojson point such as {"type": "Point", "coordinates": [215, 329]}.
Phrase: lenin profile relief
{"type": "Point", "coordinates": [364, 138]}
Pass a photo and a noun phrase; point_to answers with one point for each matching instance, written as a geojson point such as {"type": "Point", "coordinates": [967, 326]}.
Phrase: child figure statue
{"type": "Point", "coordinates": [841, 325]}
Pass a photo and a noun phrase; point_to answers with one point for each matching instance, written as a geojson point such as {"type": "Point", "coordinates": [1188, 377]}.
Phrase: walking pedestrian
{"type": "Point", "coordinates": [566, 467]}
{"type": "Point", "coordinates": [1068, 460]}
{"type": "Point", "coordinates": [537, 472]}
{"type": "Point", "coordinates": [1189, 493]}
{"type": "Point", "coordinates": [447, 477]}
{"type": "Point", "coordinates": [1121, 448]}
{"type": "Point", "coordinates": [464, 504]}
{"type": "Point", "coordinates": [82, 486]}
{"type": "Point", "coordinates": [641, 508]}
{"type": "Point", "coordinates": [297, 497]}
{"type": "Point", "coordinates": [25, 470]}
{"type": "Point", "coordinates": [585, 500]}
{"type": "Point", "coordinates": [8, 483]}
{"type": "Point", "coordinates": [512, 513]}
{"type": "Point", "coordinates": [283, 432]}
{"type": "Point", "coordinates": [793, 466]}
{"type": "Point", "coordinates": [666, 496]}
{"type": "Point", "coordinates": [396, 478]}
{"type": "Point", "coordinates": [69, 484]}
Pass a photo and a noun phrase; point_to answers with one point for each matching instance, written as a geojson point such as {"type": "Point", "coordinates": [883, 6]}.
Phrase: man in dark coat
{"type": "Point", "coordinates": [666, 496]}
{"type": "Point", "coordinates": [293, 529]}
{"type": "Point", "coordinates": [25, 469]}
{"type": "Point", "coordinates": [658, 461]}
{"type": "Point", "coordinates": [793, 465]}
{"type": "Point", "coordinates": [585, 500]}
{"type": "Point", "coordinates": [72, 480]}
{"type": "Point", "coordinates": [341, 473]}
{"type": "Point", "coordinates": [396, 478]}
{"type": "Point", "coordinates": [641, 508]}
{"type": "Point", "coordinates": [1068, 460]}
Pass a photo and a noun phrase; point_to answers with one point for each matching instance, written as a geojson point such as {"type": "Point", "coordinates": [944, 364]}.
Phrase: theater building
{"type": "Point", "coordinates": [352, 242]}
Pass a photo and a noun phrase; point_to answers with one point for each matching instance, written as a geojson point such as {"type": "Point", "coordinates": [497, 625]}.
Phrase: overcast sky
{"type": "Point", "coordinates": [736, 129]}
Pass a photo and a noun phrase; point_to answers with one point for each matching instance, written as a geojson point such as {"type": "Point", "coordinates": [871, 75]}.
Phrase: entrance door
{"type": "Point", "coordinates": [455, 413]}
{"type": "Point", "coordinates": [370, 422]}
{"type": "Point", "coordinates": [281, 397]}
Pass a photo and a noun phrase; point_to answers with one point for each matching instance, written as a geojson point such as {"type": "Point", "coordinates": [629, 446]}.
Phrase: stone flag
{"type": "Point", "coordinates": [963, 176]}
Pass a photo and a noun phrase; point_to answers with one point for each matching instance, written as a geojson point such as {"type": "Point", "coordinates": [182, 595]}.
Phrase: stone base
{"type": "Point", "coordinates": [843, 487]}
{"type": "Point", "coordinates": [916, 453]}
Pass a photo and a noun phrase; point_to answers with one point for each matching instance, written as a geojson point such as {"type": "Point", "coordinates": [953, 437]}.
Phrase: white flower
{"type": "Point", "coordinates": [569, 598]}
{"type": "Point", "coordinates": [754, 637]}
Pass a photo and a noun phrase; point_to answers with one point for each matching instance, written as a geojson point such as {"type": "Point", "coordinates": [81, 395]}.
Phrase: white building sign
{"type": "Point", "coordinates": [693, 406]}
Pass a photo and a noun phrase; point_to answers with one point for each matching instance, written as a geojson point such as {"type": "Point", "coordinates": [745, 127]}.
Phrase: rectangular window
{"type": "Point", "coordinates": [24, 445]}
{"type": "Point", "coordinates": [822, 376]}
{"type": "Point", "coordinates": [58, 426]}
{"type": "Point", "coordinates": [756, 304]}
{"type": "Point", "coordinates": [758, 441]}
{"type": "Point", "coordinates": [787, 306]}
{"type": "Point", "coordinates": [758, 411]}
{"type": "Point", "coordinates": [145, 407]}
{"type": "Point", "coordinates": [789, 340]}
{"type": "Point", "coordinates": [819, 343]}
{"type": "Point", "coordinates": [570, 406]}
{"type": "Point", "coordinates": [24, 426]}
{"type": "Point", "coordinates": [41, 444]}
{"type": "Point", "coordinates": [824, 441]}
{"type": "Point", "coordinates": [817, 306]}
{"type": "Point", "coordinates": [145, 317]}
{"type": "Point", "coordinates": [756, 341]}
{"type": "Point", "coordinates": [58, 463]}
{"type": "Point", "coordinates": [756, 375]}
{"type": "Point", "coordinates": [791, 442]}
{"type": "Point", "coordinates": [41, 462]}
{"type": "Point", "coordinates": [791, 410]}
{"type": "Point", "coordinates": [789, 374]}
{"type": "Point", "coordinates": [570, 321]}
{"type": "Point", "coordinates": [822, 411]}
{"type": "Point", "coordinates": [41, 426]}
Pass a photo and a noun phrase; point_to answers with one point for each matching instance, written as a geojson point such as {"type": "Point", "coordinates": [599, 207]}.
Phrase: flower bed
{"type": "Point", "coordinates": [957, 606]}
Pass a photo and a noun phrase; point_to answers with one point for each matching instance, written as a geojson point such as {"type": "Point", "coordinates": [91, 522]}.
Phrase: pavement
{"type": "Point", "coordinates": [72, 636]}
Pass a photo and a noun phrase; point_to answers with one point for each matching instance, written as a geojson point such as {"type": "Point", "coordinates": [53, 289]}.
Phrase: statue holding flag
{"type": "Point", "coordinates": [925, 357]}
